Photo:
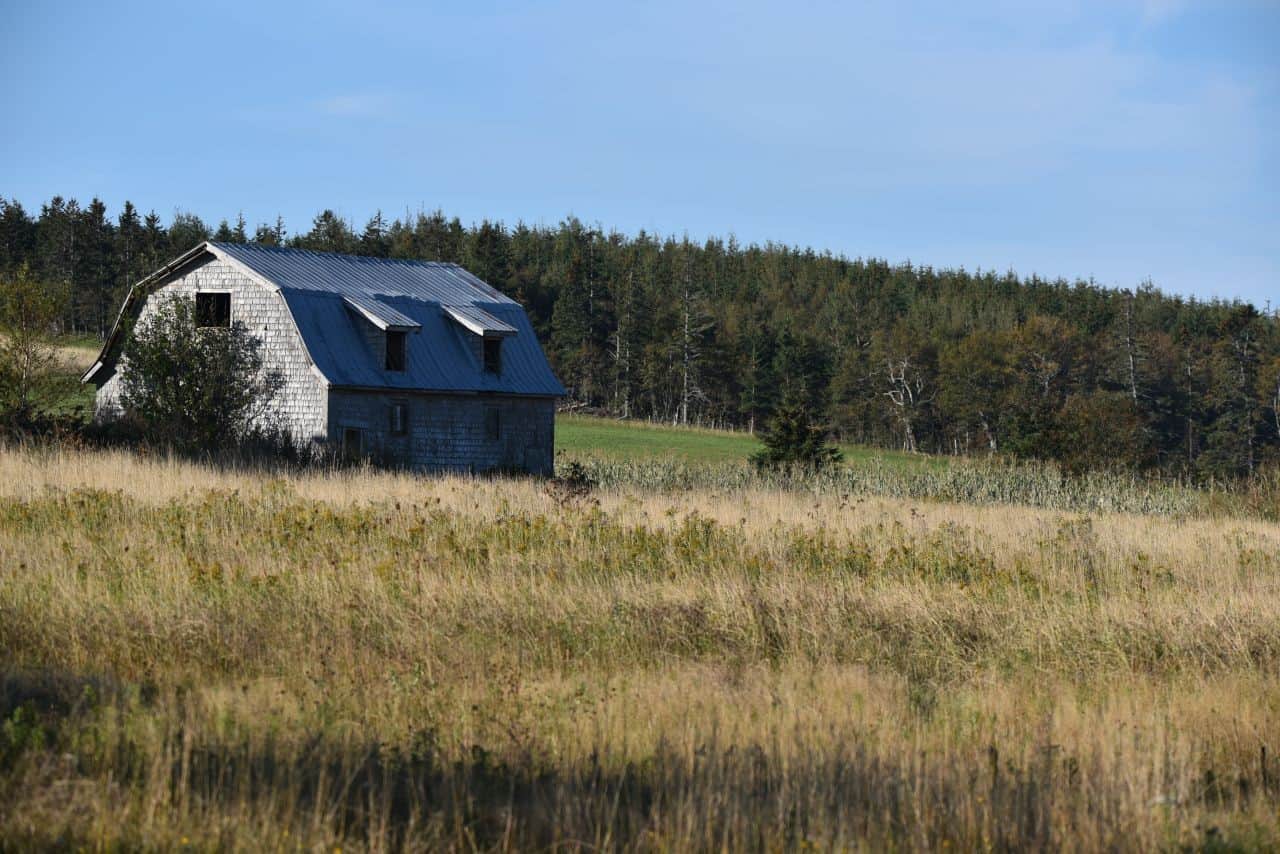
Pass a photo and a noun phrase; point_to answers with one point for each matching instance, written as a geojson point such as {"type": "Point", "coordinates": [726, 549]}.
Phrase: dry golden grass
{"type": "Point", "coordinates": [374, 660]}
{"type": "Point", "coordinates": [76, 358]}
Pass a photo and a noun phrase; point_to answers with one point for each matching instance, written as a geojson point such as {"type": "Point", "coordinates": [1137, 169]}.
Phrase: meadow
{"type": "Point", "coordinates": [611, 439]}
{"type": "Point", "coordinates": [684, 659]}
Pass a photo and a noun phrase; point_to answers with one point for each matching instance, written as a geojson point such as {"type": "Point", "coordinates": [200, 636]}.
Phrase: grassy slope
{"type": "Point", "coordinates": [612, 439]}
{"type": "Point", "coordinates": [75, 355]}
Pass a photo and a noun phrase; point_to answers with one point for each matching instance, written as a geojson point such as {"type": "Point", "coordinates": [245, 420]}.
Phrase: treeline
{"type": "Point", "coordinates": [719, 333]}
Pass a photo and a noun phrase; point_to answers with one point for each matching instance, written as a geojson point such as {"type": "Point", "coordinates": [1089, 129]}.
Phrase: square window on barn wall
{"type": "Point", "coordinates": [395, 350]}
{"type": "Point", "coordinates": [399, 419]}
{"type": "Point", "coordinates": [213, 309]}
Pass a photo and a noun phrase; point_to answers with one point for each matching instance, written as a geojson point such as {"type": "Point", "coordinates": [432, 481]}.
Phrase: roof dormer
{"type": "Point", "coordinates": [479, 321]}
{"type": "Point", "coordinates": [385, 329]}
{"type": "Point", "coordinates": [488, 332]}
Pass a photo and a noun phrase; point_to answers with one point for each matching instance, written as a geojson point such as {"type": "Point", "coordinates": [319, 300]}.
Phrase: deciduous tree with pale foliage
{"type": "Point", "coordinates": [29, 376]}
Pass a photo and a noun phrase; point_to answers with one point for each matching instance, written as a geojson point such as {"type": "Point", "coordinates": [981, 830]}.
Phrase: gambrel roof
{"type": "Point", "coordinates": [441, 306]}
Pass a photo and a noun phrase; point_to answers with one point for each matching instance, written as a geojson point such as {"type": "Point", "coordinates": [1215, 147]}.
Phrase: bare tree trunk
{"type": "Point", "coordinates": [906, 393]}
{"type": "Point", "coordinates": [1191, 425]}
{"type": "Point", "coordinates": [692, 327]}
{"type": "Point", "coordinates": [1275, 405]}
{"type": "Point", "coordinates": [986, 428]}
{"type": "Point", "coordinates": [586, 348]}
{"type": "Point", "coordinates": [684, 359]}
{"type": "Point", "coordinates": [1242, 354]}
{"type": "Point", "coordinates": [1130, 347]}
{"type": "Point", "coordinates": [687, 354]}
{"type": "Point", "coordinates": [622, 350]}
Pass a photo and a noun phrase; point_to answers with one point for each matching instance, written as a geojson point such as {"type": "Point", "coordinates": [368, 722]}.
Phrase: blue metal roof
{"type": "Point", "coordinates": [300, 269]}
{"type": "Point", "coordinates": [439, 357]}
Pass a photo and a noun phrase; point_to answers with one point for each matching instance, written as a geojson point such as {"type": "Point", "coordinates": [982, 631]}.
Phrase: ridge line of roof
{"type": "Point", "coordinates": [508, 305]}
{"type": "Point", "coordinates": [292, 250]}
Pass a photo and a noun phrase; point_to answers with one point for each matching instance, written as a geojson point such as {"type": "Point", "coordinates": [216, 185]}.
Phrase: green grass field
{"type": "Point", "coordinates": [605, 437]}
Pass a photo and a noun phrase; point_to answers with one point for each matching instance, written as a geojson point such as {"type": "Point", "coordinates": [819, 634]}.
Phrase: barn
{"type": "Point", "coordinates": [412, 363]}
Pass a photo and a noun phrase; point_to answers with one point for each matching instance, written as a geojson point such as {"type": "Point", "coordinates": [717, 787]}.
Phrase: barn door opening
{"type": "Point", "coordinates": [352, 443]}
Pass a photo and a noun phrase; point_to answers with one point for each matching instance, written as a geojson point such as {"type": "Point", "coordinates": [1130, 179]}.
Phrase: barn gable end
{"type": "Point", "coordinates": [301, 406]}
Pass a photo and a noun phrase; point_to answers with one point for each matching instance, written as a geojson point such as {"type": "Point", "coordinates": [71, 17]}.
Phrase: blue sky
{"type": "Point", "coordinates": [1120, 140]}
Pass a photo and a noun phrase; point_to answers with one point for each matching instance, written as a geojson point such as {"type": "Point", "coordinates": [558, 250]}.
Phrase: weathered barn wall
{"type": "Point", "coordinates": [450, 432]}
{"type": "Point", "coordinates": [374, 338]}
{"type": "Point", "coordinates": [301, 405]}
{"type": "Point", "coordinates": [106, 401]}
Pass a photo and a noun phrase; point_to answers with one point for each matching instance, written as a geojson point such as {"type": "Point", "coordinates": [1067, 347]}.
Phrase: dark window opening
{"type": "Point", "coordinates": [493, 424]}
{"type": "Point", "coordinates": [213, 309]}
{"type": "Point", "coordinates": [395, 350]}
{"type": "Point", "coordinates": [352, 442]}
{"type": "Point", "coordinates": [399, 419]}
{"type": "Point", "coordinates": [493, 355]}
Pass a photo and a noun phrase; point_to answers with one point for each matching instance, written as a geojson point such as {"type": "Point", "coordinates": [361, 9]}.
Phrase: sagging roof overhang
{"type": "Point", "coordinates": [479, 321]}
{"type": "Point", "coordinates": [133, 301]}
{"type": "Point", "coordinates": [381, 315]}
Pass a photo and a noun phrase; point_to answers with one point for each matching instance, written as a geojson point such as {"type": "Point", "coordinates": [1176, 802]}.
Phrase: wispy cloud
{"type": "Point", "coordinates": [1157, 11]}
{"type": "Point", "coordinates": [365, 105]}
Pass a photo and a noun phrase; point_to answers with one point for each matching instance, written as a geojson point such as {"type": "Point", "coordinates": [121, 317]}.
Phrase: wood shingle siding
{"type": "Point", "coordinates": [449, 432]}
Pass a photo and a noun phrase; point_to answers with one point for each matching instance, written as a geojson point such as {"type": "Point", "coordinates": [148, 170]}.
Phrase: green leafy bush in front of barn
{"type": "Point", "coordinates": [196, 387]}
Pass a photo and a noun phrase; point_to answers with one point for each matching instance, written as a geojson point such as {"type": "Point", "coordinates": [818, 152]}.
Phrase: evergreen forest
{"type": "Point", "coordinates": [719, 333]}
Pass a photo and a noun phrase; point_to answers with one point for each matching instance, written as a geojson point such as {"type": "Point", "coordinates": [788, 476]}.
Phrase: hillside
{"type": "Point", "coordinates": [894, 356]}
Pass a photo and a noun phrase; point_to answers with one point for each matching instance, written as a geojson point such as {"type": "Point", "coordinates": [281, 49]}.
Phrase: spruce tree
{"type": "Point", "coordinates": [17, 236]}
{"type": "Point", "coordinates": [793, 440]}
{"type": "Point", "coordinates": [487, 254]}
{"type": "Point", "coordinates": [129, 262]}
{"type": "Point", "coordinates": [270, 235]}
{"type": "Point", "coordinates": [94, 276]}
{"type": "Point", "coordinates": [329, 233]}
{"type": "Point", "coordinates": [155, 242]}
{"type": "Point", "coordinates": [374, 240]}
{"type": "Point", "coordinates": [186, 232]}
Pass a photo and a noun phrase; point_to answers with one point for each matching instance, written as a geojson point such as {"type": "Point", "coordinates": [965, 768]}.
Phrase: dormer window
{"type": "Point", "coordinates": [384, 328]}
{"type": "Point", "coordinates": [395, 350]}
{"type": "Point", "coordinates": [488, 331]}
{"type": "Point", "coordinates": [493, 355]}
